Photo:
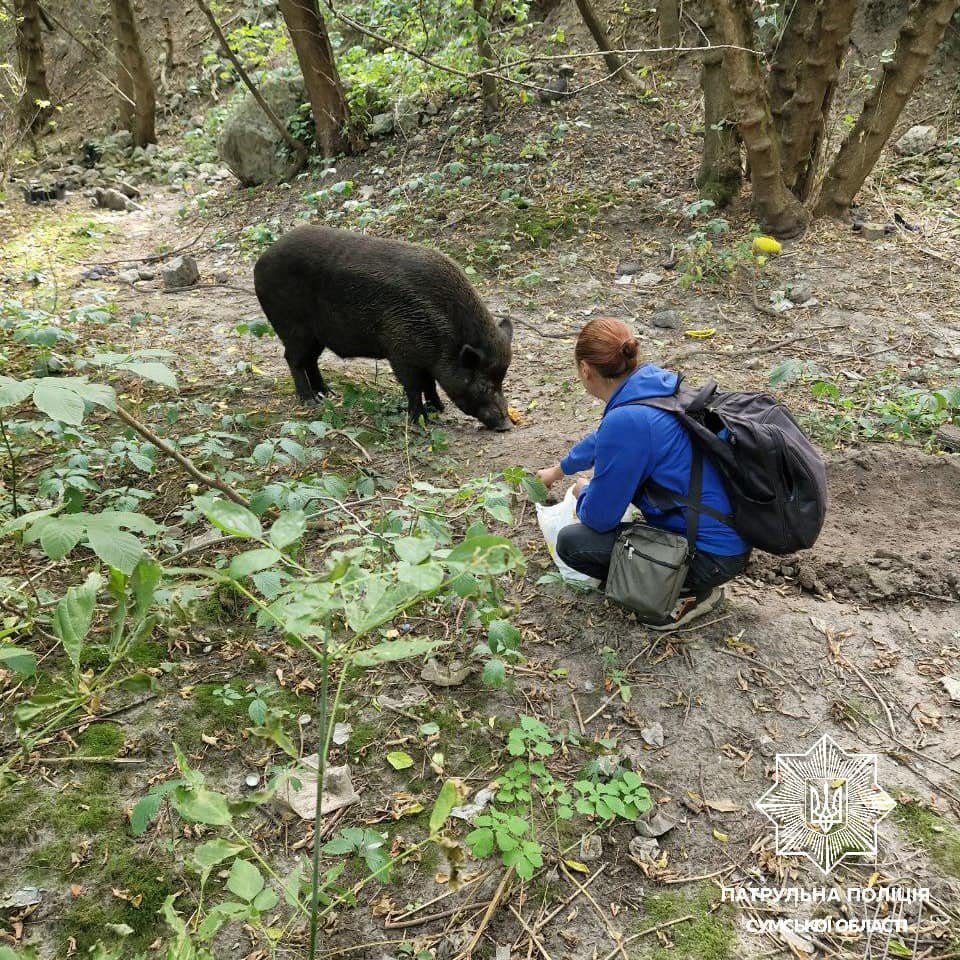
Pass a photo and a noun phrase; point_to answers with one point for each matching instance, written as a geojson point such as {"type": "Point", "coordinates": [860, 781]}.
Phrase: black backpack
{"type": "Point", "coordinates": [774, 476]}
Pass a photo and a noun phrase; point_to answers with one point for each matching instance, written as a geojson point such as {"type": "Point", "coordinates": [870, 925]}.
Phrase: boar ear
{"type": "Point", "coordinates": [470, 357]}
{"type": "Point", "coordinates": [507, 328]}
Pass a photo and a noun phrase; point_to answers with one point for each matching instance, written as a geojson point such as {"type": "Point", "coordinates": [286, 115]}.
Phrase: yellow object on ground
{"type": "Point", "coordinates": [766, 245]}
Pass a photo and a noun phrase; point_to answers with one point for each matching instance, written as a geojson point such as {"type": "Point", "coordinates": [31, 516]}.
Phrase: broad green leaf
{"type": "Point", "coordinates": [230, 517]}
{"type": "Point", "coordinates": [58, 535]}
{"type": "Point", "coordinates": [392, 650]}
{"type": "Point", "coordinates": [73, 616]}
{"type": "Point", "coordinates": [253, 561]}
{"type": "Point", "coordinates": [289, 527]}
{"type": "Point", "coordinates": [503, 635]}
{"type": "Point", "coordinates": [19, 660]}
{"type": "Point", "coordinates": [245, 880]}
{"type": "Point", "coordinates": [265, 900]}
{"type": "Point", "coordinates": [200, 805]}
{"type": "Point", "coordinates": [480, 842]}
{"type": "Point", "coordinates": [494, 673]}
{"type": "Point", "coordinates": [534, 488]}
{"type": "Point", "coordinates": [145, 810]}
{"type": "Point", "coordinates": [144, 583]}
{"type": "Point", "coordinates": [13, 391]}
{"type": "Point", "coordinates": [54, 398]}
{"type": "Point", "coordinates": [152, 370]}
{"type": "Point", "coordinates": [414, 549]}
{"type": "Point", "coordinates": [399, 760]}
{"type": "Point", "coordinates": [116, 548]}
{"type": "Point", "coordinates": [499, 508]}
{"type": "Point", "coordinates": [426, 577]}
{"type": "Point", "coordinates": [485, 554]}
{"type": "Point", "coordinates": [97, 393]}
{"type": "Point", "coordinates": [209, 854]}
{"type": "Point", "coordinates": [446, 801]}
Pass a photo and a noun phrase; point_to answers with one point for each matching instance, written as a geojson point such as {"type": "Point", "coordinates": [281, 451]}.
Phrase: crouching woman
{"type": "Point", "coordinates": [633, 446]}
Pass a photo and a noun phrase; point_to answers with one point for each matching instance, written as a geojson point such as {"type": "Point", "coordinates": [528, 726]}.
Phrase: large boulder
{"type": "Point", "coordinates": [249, 144]}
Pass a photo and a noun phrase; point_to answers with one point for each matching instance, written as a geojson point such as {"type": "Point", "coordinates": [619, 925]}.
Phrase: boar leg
{"type": "Point", "coordinates": [414, 382]}
{"type": "Point", "coordinates": [433, 401]}
{"type": "Point", "coordinates": [302, 358]}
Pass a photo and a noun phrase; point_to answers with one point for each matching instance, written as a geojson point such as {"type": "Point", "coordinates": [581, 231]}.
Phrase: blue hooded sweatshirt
{"type": "Point", "coordinates": [634, 444]}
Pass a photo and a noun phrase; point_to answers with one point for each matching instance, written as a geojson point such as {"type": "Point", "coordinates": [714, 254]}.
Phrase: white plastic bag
{"type": "Point", "coordinates": [552, 520]}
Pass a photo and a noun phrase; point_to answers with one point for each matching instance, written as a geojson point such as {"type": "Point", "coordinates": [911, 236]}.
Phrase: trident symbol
{"type": "Point", "coordinates": [826, 804]}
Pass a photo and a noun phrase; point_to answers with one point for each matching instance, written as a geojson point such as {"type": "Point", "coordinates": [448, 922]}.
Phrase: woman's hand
{"type": "Point", "coordinates": [579, 485]}
{"type": "Point", "coordinates": [550, 475]}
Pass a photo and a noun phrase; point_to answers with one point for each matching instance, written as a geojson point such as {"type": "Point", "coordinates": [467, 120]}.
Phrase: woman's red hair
{"type": "Point", "coordinates": [609, 346]}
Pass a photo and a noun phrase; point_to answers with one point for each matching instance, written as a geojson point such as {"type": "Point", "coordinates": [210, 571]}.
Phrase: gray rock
{"type": "Point", "coordinates": [666, 319]}
{"type": "Point", "coordinates": [90, 177]}
{"type": "Point", "coordinates": [644, 849]}
{"type": "Point", "coordinates": [129, 276]}
{"type": "Point", "coordinates": [111, 199]}
{"type": "Point", "coordinates": [381, 125]}
{"type": "Point", "coordinates": [179, 272]}
{"type": "Point", "coordinates": [591, 848]}
{"type": "Point", "coordinates": [800, 292]}
{"type": "Point", "coordinates": [146, 273]}
{"type": "Point", "coordinates": [120, 140]}
{"type": "Point", "coordinates": [653, 735]}
{"type": "Point", "coordinates": [916, 140]}
{"type": "Point", "coordinates": [627, 268]}
{"type": "Point", "coordinates": [249, 143]}
{"type": "Point", "coordinates": [655, 824]}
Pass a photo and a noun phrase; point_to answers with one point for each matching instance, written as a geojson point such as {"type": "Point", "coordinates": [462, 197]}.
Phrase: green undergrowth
{"type": "Point", "coordinates": [708, 936]}
{"type": "Point", "coordinates": [938, 837]}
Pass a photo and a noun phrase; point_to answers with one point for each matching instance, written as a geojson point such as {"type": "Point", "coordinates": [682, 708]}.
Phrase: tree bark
{"type": "Point", "coordinates": [315, 55]}
{"type": "Point", "coordinates": [489, 94]}
{"type": "Point", "coordinates": [30, 58]}
{"type": "Point", "coordinates": [775, 207]}
{"type": "Point", "coordinates": [789, 53]}
{"type": "Point", "coordinates": [138, 103]}
{"type": "Point", "coordinates": [614, 64]}
{"type": "Point", "coordinates": [804, 116]}
{"type": "Point", "coordinates": [668, 23]}
{"type": "Point", "coordinates": [919, 37]}
{"type": "Point", "coordinates": [296, 146]}
{"type": "Point", "coordinates": [720, 174]}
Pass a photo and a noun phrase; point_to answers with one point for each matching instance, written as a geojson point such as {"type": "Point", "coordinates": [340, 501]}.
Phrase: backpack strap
{"type": "Point", "coordinates": [696, 489]}
{"type": "Point", "coordinates": [693, 501]}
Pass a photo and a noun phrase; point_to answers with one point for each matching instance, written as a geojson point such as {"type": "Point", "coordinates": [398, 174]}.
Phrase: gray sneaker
{"type": "Point", "coordinates": [691, 608]}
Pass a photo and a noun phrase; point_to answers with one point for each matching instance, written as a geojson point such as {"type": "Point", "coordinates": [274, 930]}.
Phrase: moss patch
{"type": "Point", "coordinates": [101, 740]}
{"type": "Point", "coordinates": [709, 936]}
{"type": "Point", "coordinates": [940, 839]}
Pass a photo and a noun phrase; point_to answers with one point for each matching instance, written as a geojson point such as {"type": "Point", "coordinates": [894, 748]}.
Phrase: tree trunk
{"type": "Point", "coordinates": [720, 174]}
{"type": "Point", "coordinates": [315, 55]}
{"type": "Point", "coordinates": [919, 36]}
{"type": "Point", "coordinates": [775, 207]}
{"type": "Point", "coordinates": [614, 64]}
{"type": "Point", "coordinates": [489, 94]}
{"type": "Point", "coordinates": [30, 57]}
{"type": "Point", "coordinates": [138, 104]}
{"type": "Point", "coordinates": [804, 116]}
{"type": "Point", "coordinates": [789, 53]}
{"type": "Point", "coordinates": [668, 23]}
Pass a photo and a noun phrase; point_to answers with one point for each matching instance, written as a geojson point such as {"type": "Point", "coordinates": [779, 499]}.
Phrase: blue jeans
{"type": "Point", "coordinates": [589, 552]}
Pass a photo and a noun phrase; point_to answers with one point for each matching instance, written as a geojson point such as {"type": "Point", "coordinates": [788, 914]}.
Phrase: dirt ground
{"type": "Point", "coordinates": [851, 638]}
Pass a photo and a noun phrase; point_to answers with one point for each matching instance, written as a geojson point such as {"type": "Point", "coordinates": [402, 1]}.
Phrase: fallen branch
{"type": "Point", "coordinates": [185, 462]}
{"type": "Point", "coordinates": [467, 951]}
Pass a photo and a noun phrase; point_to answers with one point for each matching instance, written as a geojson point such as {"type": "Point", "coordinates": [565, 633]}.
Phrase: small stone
{"type": "Point", "coordinates": [111, 199]}
{"type": "Point", "coordinates": [591, 848]}
{"type": "Point", "coordinates": [767, 746]}
{"type": "Point", "coordinates": [180, 272]}
{"type": "Point", "coordinates": [666, 319]}
{"type": "Point", "coordinates": [952, 686]}
{"type": "Point", "coordinates": [382, 125]}
{"type": "Point", "coordinates": [627, 268]}
{"type": "Point", "coordinates": [644, 849]}
{"type": "Point", "coordinates": [918, 139]}
{"type": "Point", "coordinates": [653, 735]}
{"type": "Point", "coordinates": [129, 276]}
{"type": "Point", "coordinates": [146, 273]}
{"type": "Point", "coordinates": [655, 824]}
{"type": "Point", "coordinates": [649, 279]}
{"type": "Point", "coordinates": [870, 231]}
{"type": "Point", "coordinates": [444, 675]}
{"type": "Point", "coordinates": [800, 292]}
{"type": "Point", "coordinates": [252, 780]}
{"type": "Point", "coordinates": [806, 576]}
{"type": "Point", "coordinates": [341, 733]}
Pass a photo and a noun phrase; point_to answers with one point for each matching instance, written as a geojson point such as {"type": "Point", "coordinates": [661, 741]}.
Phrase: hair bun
{"type": "Point", "coordinates": [629, 348]}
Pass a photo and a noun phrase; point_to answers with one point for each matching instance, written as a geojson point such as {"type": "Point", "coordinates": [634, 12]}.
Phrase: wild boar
{"type": "Point", "coordinates": [362, 296]}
